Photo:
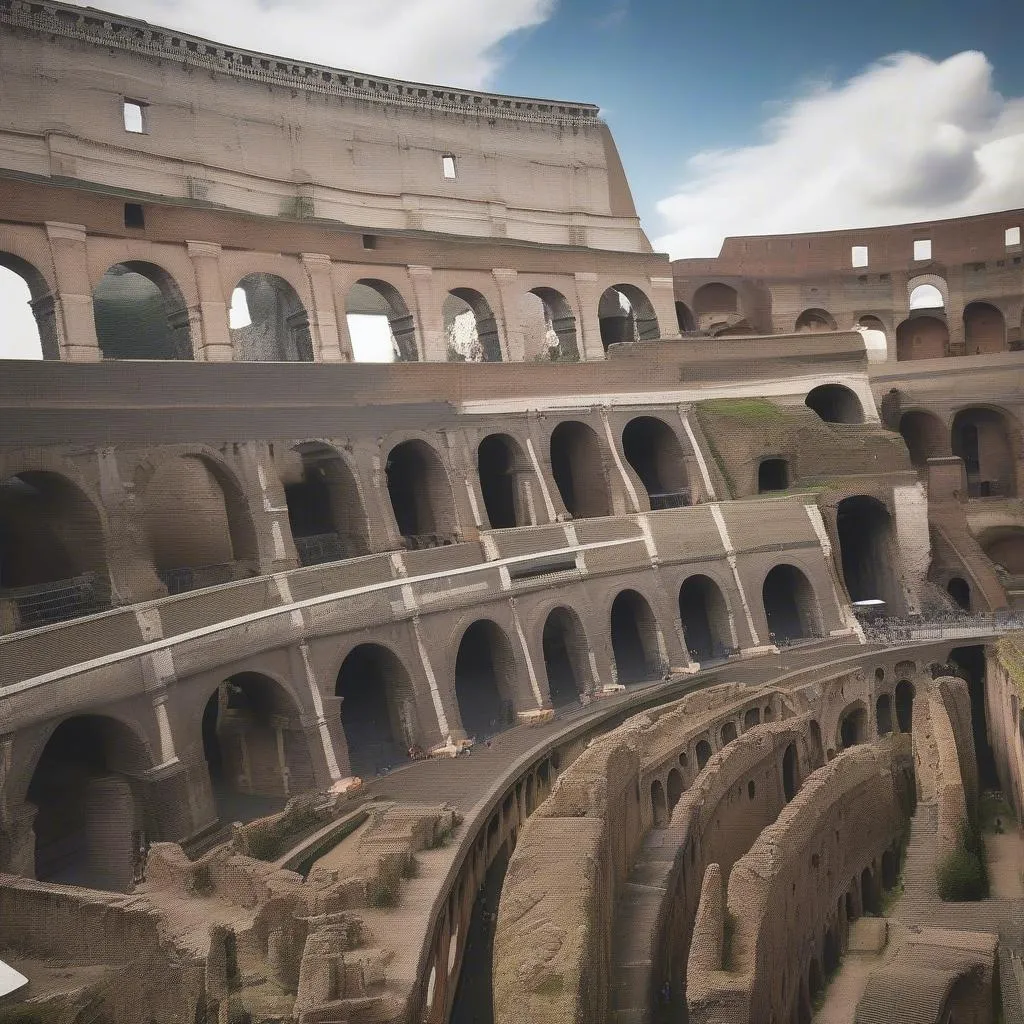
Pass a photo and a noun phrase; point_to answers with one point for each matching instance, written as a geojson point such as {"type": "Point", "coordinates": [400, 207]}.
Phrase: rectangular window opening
{"type": "Point", "coordinates": [1012, 237]}
{"type": "Point", "coordinates": [369, 241]}
{"type": "Point", "coordinates": [135, 117]}
{"type": "Point", "coordinates": [923, 249]}
{"type": "Point", "coordinates": [859, 255]}
{"type": "Point", "coordinates": [448, 167]}
{"type": "Point", "coordinates": [134, 216]}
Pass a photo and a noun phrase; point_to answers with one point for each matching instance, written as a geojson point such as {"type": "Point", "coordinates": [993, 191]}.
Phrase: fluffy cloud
{"type": "Point", "coordinates": [908, 139]}
{"type": "Point", "coordinates": [452, 42]}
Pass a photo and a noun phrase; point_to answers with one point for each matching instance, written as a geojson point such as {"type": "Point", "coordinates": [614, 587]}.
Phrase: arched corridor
{"type": "Point", "coordinates": [421, 496]}
{"type": "Point", "coordinates": [685, 319]}
{"type": "Point", "coordinates": [471, 332]}
{"type": "Point", "coordinates": [565, 656]}
{"type": "Point", "coordinates": [960, 591]}
{"type": "Point", "coordinates": [506, 480]}
{"type": "Point", "coordinates": [380, 325]}
{"type": "Point", "coordinates": [868, 550]}
{"type": "Point", "coordinates": [984, 329]}
{"type": "Point", "coordinates": [772, 475]}
{"type": "Point", "coordinates": [835, 403]}
{"type": "Point", "coordinates": [268, 321]}
{"type": "Point", "coordinates": [625, 314]}
{"type": "Point", "coordinates": [578, 468]}
{"type": "Point", "coordinates": [922, 337]}
{"type": "Point", "coordinates": [713, 300]}
{"type": "Point", "coordinates": [634, 633]}
{"type": "Point", "coordinates": [790, 773]}
{"type": "Point", "coordinates": [883, 714]}
{"type": "Point", "coordinates": [485, 680]}
{"type": "Point", "coordinates": [989, 444]}
{"type": "Point", "coordinates": [925, 436]}
{"type": "Point", "coordinates": [378, 713]}
{"type": "Point", "coordinates": [653, 450]}
{"type": "Point", "coordinates": [140, 313]}
{"type": "Point", "coordinates": [853, 727]}
{"type": "Point", "coordinates": [815, 321]}
{"type": "Point", "coordinates": [904, 701]}
{"type": "Point", "coordinates": [705, 618]}
{"type": "Point", "coordinates": [790, 605]}
{"type": "Point", "coordinates": [549, 326]}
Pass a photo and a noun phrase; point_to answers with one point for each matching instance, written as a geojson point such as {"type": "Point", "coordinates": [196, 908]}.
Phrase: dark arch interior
{"type": "Point", "coordinates": [658, 804]}
{"type": "Point", "coordinates": [789, 604]}
{"type": "Point", "coordinates": [705, 619]}
{"type": "Point", "coordinates": [790, 781]}
{"type": "Point", "coordinates": [482, 344]}
{"type": "Point", "coordinates": [560, 322]}
{"type": "Point", "coordinates": [867, 550]}
{"type": "Point", "coordinates": [883, 714]}
{"type": "Point", "coordinates": [960, 590]}
{"type": "Point", "coordinates": [504, 481]}
{"type": "Point", "coordinates": [703, 751]}
{"type": "Point", "coordinates": [685, 319]}
{"type": "Point", "coordinates": [140, 313]}
{"type": "Point", "coordinates": [377, 713]}
{"type": "Point", "coordinates": [984, 440]}
{"type": "Point", "coordinates": [421, 497]}
{"type": "Point", "coordinates": [728, 733]}
{"type": "Point", "coordinates": [853, 728]}
{"type": "Point", "coordinates": [654, 452]}
{"type": "Point", "coordinates": [278, 328]}
{"type": "Point", "coordinates": [922, 337]}
{"type": "Point", "coordinates": [564, 650]}
{"type": "Point", "coordinates": [675, 788]}
{"type": "Point", "coordinates": [984, 329]}
{"type": "Point", "coordinates": [815, 320]}
{"type": "Point", "coordinates": [925, 437]}
{"type": "Point", "coordinates": [634, 639]}
{"type": "Point", "coordinates": [578, 470]}
{"type": "Point", "coordinates": [772, 475]}
{"type": "Point", "coordinates": [835, 404]}
{"type": "Point", "coordinates": [972, 666]}
{"type": "Point", "coordinates": [625, 314]}
{"type": "Point", "coordinates": [715, 297]}
{"type": "Point", "coordinates": [484, 669]}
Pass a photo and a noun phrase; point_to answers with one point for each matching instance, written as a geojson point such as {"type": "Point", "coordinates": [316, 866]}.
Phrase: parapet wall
{"type": "Point", "coordinates": [785, 896]}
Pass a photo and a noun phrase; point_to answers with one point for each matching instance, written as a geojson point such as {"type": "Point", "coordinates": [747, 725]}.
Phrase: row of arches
{"type": "Point", "coordinates": [140, 312]}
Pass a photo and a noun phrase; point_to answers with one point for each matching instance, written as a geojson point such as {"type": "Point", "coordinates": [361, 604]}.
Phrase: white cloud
{"type": "Point", "coordinates": [19, 336]}
{"type": "Point", "coordinates": [451, 42]}
{"type": "Point", "coordinates": [908, 139]}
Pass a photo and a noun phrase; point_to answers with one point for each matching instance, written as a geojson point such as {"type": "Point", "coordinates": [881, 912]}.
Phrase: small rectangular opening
{"type": "Point", "coordinates": [542, 567]}
{"type": "Point", "coordinates": [1012, 237]}
{"type": "Point", "coordinates": [369, 241]}
{"type": "Point", "coordinates": [859, 255]}
{"type": "Point", "coordinates": [134, 217]}
{"type": "Point", "coordinates": [923, 249]}
{"type": "Point", "coordinates": [135, 117]}
{"type": "Point", "coordinates": [448, 167]}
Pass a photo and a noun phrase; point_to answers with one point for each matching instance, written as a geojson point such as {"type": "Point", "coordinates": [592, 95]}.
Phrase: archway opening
{"type": "Point", "coordinates": [549, 326]}
{"type": "Point", "coordinates": [53, 562]}
{"type": "Point", "coordinates": [659, 808]}
{"type": "Point", "coordinates": [470, 329]}
{"type": "Point", "coordinates": [868, 551]}
{"type": "Point", "coordinates": [421, 497]}
{"type": "Point", "coordinates": [868, 892]}
{"type": "Point", "coordinates": [484, 680]}
{"type": "Point", "coordinates": [876, 341]}
{"type": "Point", "coordinates": [625, 314]}
{"type": "Point", "coordinates": [835, 403]}
{"type": "Point", "coordinates": [268, 321]}
{"type": "Point", "coordinates": [853, 727]}
{"type": "Point", "coordinates": [988, 445]}
{"type": "Point", "coordinates": [984, 329]}
{"type": "Point", "coordinates": [87, 788]}
{"type": "Point", "coordinates": [28, 310]}
{"type": "Point", "coordinates": [703, 752]}
{"type": "Point", "coordinates": [751, 717]}
{"type": "Point", "coordinates": [713, 302]}
{"type": "Point", "coordinates": [634, 638]}
{"type": "Point", "coordinates": [925, 436]}
{"type": "Point", "coordinates": [674, 788]}
{"type": "Point", "coordinates": [140, 313]}
{"type": "Point", "coordinates": [790, 605]}
{"type": "Point", "coordinates": [883, 714]}
{"type": "Point", "coordinates": [378, 711]}
{"type": "Point", "coordinates": [578, 469]}
{"type": "Point", "coordinates": [904, 701]}
{"type": "Point", "coordinates": [565, 655]}
{"type": "Point", "coordinates": [790, 778]}
{"type": "Point", "coordinates": [325, 511]}
{"type": "Point", "coordinates": [890, 869]}
{"type": "Point", "coordinates": [653, 450]}
{"type": "Point", "coordinates": [971, 665]}
{"type": "Point", "coordinates": [255, 747]}
{"type": "Point", "coordinates": [960, 590]}
{"type": "Point", "coordinates": [380, 325]}
{"type": "Point", "coordinates": [1004, 546]}
{"type": "Point", "coordinates": [198, 525]}
{"type": "Point", "coordinates": [922, 337]}
{"type": "Point", "coordinates": [728, 733]}
{"type": "Point", "coordinates": [705, 619]}
{"type": "Point", "coordinates": [815, 321]}
{"type": "Point", "coordinates": [506, 480]}
{"type": "Point", "coordinates": [685, 318]}
{"type": "Point", "coordinates": [772, 475]}
{"type": "Point", "coordinates": [813, 979]}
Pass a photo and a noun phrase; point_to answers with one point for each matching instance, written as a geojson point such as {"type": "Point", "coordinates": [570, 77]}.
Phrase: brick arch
{"type": "Point", "coordinates": [43, 293]}
{"type": "Point", "coordinates": [814, 320]}
{"type": "Point", "coordinates": [440, 510]}
{"type": "Point", "coordinates": [577, 645]}
{"type": "Point", "coordinates": [405, 332]}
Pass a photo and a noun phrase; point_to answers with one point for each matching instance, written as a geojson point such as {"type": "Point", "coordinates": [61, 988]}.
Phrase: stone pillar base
{"type": "Point", "coordinates": [451, 748]}
{"type": "Point", "coordinates": [608, 690]}
{"type": "Point", "coordinates": [346, 785]}
{"type": "Point", "coordinates": [536, 717]}
{"type": "Point", "coordinates": [684, 670]}
{"type": "Point", "coordinates": [756, 652]}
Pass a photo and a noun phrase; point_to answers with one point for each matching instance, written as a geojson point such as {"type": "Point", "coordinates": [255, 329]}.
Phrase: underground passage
{"type": "Point", "coordinates": [705, 619]}
{"type": "Point", "coordinates": [565, 649]}
{"type": "Point", "coordinates": [654, 452]}
{"type": "Point", "coordinates": [868, 551]}
{"type": "Point", "coordinates": [578, 469]}
{"type": "Point", "coordinates": [634, 638]}
{"type": "Point", "coordinates": [504, 482]}
{"type": "Point", "coordinates": [789, 604]}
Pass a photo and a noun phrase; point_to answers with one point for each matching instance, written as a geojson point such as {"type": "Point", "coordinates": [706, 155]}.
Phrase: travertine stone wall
{"type": "Point", "coordinates": [1004, 705]}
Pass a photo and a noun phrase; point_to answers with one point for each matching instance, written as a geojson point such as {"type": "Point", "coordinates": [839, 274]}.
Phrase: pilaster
{"type": "Point", "coordinates": [587, 298]}
{"type": "Point", "coordinates": [428, 314]}
{"type": "Point", "coordinates": [509, 319]}
{"type": "Point", "coordinates": [214, 336]}
{"type": "Point", "coordinates": [323, 320]}
{"type": "Point", "coordinates": [76, 325]}
{"type": "Point", "coordinates": [663, 299]}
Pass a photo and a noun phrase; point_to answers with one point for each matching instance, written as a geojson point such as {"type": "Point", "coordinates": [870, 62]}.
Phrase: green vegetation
{"type": "Point", "coordinates": [382, 894]}
{"type": "Point", "coordinates": [550, 987]}
{"type": "Point", "coordinates": [963, 874]}
{"type": "Point", "coordinates": [757, 410]}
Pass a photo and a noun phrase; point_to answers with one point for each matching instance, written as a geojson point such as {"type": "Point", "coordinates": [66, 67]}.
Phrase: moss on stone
{"type": "Point", "coordinates": [751, 409]}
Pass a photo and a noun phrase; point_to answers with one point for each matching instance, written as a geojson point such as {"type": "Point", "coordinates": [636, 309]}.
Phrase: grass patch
{"type": "Point", "coordinates": [963, 874]}
{"type": "Point", "coordinates": [383, 894]}
{"type": "Point", "coordinates": [756, 410]}
{"type": "Point", "coordinates": [550, 987]}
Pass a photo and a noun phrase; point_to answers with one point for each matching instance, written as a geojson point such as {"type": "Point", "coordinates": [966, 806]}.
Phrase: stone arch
{"type": "Point", "coordinates": [704, 615]}
{"type": "Point", "coordinates": [814, 321]}
{"type": "Point", "coordinates": [87, 787]}
{"type": "Point", "coordinates": [790, 604]}
{"type": "Point", "coordinates": [835, 403]}
{"type": "Point", "coordinates": [922, 337]}
{"type": "Point", "coordinates": [141, 313]}
{"type": "Point", "coordinates": [471, 331]}
{"type": "Point", "coordinates": [903, 698]}
{"type": "Point", "coordinates": [421, 495]}
{"type": "Point", "coordinates": [751, 718]}
{"type": "Point", "coordinates": [853, 726]}
{"type": "Point", "coordinates": [772, 475]}
{"type": "Point", "coordinates": [927, 291]}
{"type": "Point", "coordinates": [30, 331]}
{"type": "Point", "coordinates": [790, 772]}
{"type": "Point", "coordinates": [380, 324]}
{"type": "Point", "coordinates": [659, 806]}
{"type": "Point", "coordinates": [925, 435]}
{"type": "Point", "coordinates": [984, 329]}
{"type": "Point", "coordinates": [685, 318]}
{"type": "Point", "coordinates": [869, 554]}
{"type": "Point", "coordinates": [325, 507]}
{"type": "Point", "coordinates": [485, 679]}
{"type": "Point", "coordinates": [378, 708]}
{"type": "Point", "coordinates": [1004, 546]}
{"type": "Point", "coordinates": [830, 951]}
{"type": "Point", "coordinates": [577, 465]}
{"type": "Point", "coordinates": [890, 869]}
{"type": "Point", "coordinates": [53, 550]}
{"type": "Point", "coordinates": [566, 661]}
{"type": "Point", "coordinates": [634, 635]}
{"type": "Point", "coordinates": [674, 787]}
{"type": "Point", "coordinates": [198, 523]}
{"type": "Point", "coordinates": [988, 441]}
{"type": "Point", "coordinates": [728, 733]}
{"type": "Point", "coordinates": [625, 314]}
{"type": "Point", "coordinates": [883, 714]}
{"type": "Point", "coordinates": [868, 892]}
{"type": "Point", "coordinates": [254, 745]}
{"type": "Point", "coordinates": [715, 298]}
{"type": "Point", "coordinates": [960, 591]}
{"type": "Point", "coordinates": [268, 321]}
{"type": "Point", "coordinates": [550, 325]}
{"type": "Point", "coordinates": [652, 448]}
{"type": "Point", "coordinates": [703, 753]}
{"type": "Point", "coordinates": [506, 479]}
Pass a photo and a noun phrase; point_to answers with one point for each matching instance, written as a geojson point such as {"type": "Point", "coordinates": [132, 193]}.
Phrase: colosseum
{"type": "Point", "coordinates": [624, 640]}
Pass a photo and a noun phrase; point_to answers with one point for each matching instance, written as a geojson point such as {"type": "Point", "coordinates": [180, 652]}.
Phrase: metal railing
{"type": "Point", "coordinates": [46, 603]}
{"type": "Point", "coordinates": [950, 625]}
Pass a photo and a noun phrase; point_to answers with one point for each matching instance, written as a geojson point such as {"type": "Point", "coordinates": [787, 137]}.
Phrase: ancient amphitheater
{"type": "Point", "coordinates": [637, 644]}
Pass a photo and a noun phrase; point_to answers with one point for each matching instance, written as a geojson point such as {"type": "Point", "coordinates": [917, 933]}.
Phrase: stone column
{"type": "Point", "coordinates": [663, 299]}
{"type": "Point", "coordinates": [75, 322]}
{"type": "Point", "coordinates": [215, 340]}
{"type": "Point", "coordinates": [323, 320]}
{"type": "Point", "coordinates": [587, 299]}
{"type": "Point", "coordinates": [513, 343]}
{"type": "Point", "coordinates": [955, 313]}
{"type": "Point", "coordinates": [276, 548]}
{"type": "Point", "coordinates": [429, 315]}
